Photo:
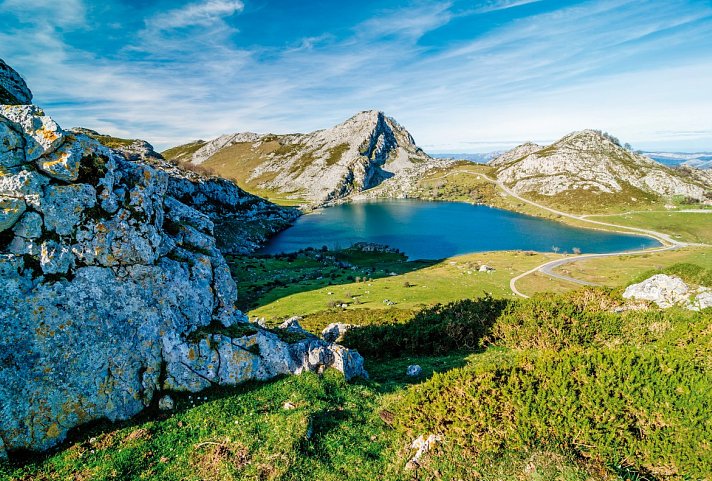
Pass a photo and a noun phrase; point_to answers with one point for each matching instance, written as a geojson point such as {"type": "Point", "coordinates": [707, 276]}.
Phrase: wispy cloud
{"type": "Point", "coordinates": [495, 5]}
{"type": "Point", "coordinates": [203, 13]}
{"type": "Point", "coordinates": [631, 67]}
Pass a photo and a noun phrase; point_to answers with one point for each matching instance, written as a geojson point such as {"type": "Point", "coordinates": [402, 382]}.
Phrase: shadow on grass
{"type": "Point", "coordinates": [83, 433]}
{"type": "Point", "coordinates": [268, 278]}
{"type": "Point", "coordinates": [459, 326]}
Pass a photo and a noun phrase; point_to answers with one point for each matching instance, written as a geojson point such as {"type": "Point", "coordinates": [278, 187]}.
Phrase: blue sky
{"type": "Point", "coordinates": [462, 76]}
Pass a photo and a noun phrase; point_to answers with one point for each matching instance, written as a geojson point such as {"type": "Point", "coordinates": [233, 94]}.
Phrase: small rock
{"type": "Point", "coordinates": [335, 331]}
{"type": "Point", "coordinates": [424, 446]}
{"type": "Point", "coordinates": [414, 370]}
{"type": "Point", "coordinates": [486, 268]}
{"type": "Point", "coordinates": [663, 290]}
{"type": "Point", "coordinates": [288, 406]}
{"type": "Point", "coordinates": [292, 324]}
{"type": "Point", "coordinates": [166, 403]}
{"type": "Point", "coordinates": [11, 210]}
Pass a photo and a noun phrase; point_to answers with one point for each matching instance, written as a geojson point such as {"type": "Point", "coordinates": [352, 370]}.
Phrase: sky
{"type": "Point", "coordinates": [461, 76]}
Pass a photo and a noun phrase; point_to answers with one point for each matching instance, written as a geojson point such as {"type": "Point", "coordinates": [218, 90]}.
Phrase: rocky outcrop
{"type": "Point", "coordinates": [106, 280]}
{"type": "Point", "coordinates": [367, 150]}
{"type": "Point", "coordinates": [668, 291]}
{"type": "Point", "coordinates": [589, 161]}
{"type": "Point", "coordinates": [13, 89]}
{"type": "Point", "coordinates": [242, 222]}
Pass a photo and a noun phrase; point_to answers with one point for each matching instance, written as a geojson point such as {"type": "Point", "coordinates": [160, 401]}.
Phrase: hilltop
{"type": "Point", "coordinates": [363, 152]}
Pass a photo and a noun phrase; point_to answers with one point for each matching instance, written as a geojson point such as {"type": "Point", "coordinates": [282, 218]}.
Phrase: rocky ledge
{"type": "Point", "coordinates": [113, 290]}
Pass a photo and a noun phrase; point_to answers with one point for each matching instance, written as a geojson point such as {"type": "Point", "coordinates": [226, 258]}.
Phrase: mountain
{"type": "Point", "coordinates": [591, 164]}
{"type": "Point", "coordinates": [320, 166]}
{"type": "Point", "coordinates": [480, 158]}
{"type": "Point", "coordinates": [698, 160]}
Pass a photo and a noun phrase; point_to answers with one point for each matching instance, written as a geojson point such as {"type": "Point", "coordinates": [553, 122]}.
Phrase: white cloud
{"type": "Point", "coordinates": [495, 5]}
{"type": "Point", "coordinates": [196, 14]}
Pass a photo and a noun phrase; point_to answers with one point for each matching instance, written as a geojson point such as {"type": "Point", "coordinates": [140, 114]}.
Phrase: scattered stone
{"type": "Point", "coordinates": [292, 324]}
{"type": "Point", "coordinates": [424, 446]}
{"type": "Point", "coordinates": [166, 403]}
{"type": "Point", "coordinates": [486, 268]}
{"type": "Point", "coordinates": [414, 370]}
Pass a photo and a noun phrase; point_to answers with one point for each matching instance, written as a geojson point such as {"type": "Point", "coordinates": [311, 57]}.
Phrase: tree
{"type": "Point", "coordinates": [556, 249]}
{"type": "Point", "coordinates": [576, 250]}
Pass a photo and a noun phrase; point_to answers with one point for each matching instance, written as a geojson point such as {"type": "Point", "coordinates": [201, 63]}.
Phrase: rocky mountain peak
{"type": "Point", "coordinates": [320, 166]}
{"type": "Point", "coordinates": [592, 161]}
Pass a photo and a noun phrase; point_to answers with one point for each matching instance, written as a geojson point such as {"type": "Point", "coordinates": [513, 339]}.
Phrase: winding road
{"type": "Point", "coordinates": [548, 267]}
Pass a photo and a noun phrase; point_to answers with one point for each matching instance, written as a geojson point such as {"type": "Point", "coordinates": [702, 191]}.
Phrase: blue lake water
{"type": "Point", "coordinates": [434, 230]}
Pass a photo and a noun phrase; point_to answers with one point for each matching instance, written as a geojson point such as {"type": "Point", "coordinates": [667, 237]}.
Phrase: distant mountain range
{"type": "Point", "coordinates": [699, 160]}
{"type": "Point", "coordinates": [372, 155]}
{"type": "Point", "coordinates": [480, 158]}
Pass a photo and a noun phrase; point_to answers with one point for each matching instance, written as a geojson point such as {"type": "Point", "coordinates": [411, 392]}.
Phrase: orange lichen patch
{"type": "Point", "coordinates": [59, 159]}
{"type": "Point", "coordinates": [191, 354]}
{"type": "Point", "coordinates": [53, 431]}
{"type": "Point", "coordinates": [50, 135]}
{"type": "Point", "coordinates": [147, 175]}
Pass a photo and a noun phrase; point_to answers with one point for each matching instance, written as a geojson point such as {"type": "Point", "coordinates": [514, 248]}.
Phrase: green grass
{"type": "Point", "coordinates": [182, 152]}
{"type": "Point", "coordinates": [618, 270]}
{"type": "Point", "coordinates": [683, 226]}
{"type": "Point", "coordinates": [281, 287]}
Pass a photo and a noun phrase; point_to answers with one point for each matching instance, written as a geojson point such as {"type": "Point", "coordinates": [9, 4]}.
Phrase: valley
{"type": "Point", "coordinates": [339, 305]}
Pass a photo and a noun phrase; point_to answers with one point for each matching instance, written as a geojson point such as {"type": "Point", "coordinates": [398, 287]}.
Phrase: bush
{"type": "Point", "coordinates": [624, 406]}
{"type": "Point", "coordinates": [437, 330]}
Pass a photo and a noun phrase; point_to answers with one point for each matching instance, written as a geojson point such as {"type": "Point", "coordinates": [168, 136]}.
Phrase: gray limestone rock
{"type": "Point", "coordinates": [13, 89]}
{"type": "Point", "coordinates": [11, 209]}
{"type": "Point", "coordinates": [335, 331]}
{"type": "Point", "coordinates": [30, 226]}
{"type": "Point", "coordinates": [106, 279]}
{"type": "Point", "coordinates": [41, 134]}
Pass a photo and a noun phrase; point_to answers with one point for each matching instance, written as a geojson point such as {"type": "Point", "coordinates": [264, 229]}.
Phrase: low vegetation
{"type": "Point", "coordinates": [553, 387]}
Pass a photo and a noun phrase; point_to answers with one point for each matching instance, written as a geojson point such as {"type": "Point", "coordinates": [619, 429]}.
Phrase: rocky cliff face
{"type": "Point", "coordinates": [243, 222]}
{"type": "Point", "coordinates": [112, 285]}
{"type": "Point", "coordinates": [589, 161]}
{"type": "Point", "coordinates": [326, 165]}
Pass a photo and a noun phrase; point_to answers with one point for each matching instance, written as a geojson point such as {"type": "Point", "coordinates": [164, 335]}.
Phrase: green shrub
{"type": "Point", "coordinates": [437, 330]}
{"type": "Point", "coordinates": [626, 406]}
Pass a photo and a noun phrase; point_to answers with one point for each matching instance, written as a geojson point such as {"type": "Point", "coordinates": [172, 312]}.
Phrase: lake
{"type": "Point", "coordinates": [435, 230]}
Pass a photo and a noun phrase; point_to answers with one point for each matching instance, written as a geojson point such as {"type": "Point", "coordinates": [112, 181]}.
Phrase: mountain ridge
{"type": "Point", "coordinates": [321, 166]}
{"type": "Point", "coordinates": [593, 162]}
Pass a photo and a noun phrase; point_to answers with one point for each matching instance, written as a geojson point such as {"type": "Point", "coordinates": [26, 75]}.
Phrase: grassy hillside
{"type": "Point", "coordinates": [310, 283]}
{"type": "Point", "coordinates": [555, 387]}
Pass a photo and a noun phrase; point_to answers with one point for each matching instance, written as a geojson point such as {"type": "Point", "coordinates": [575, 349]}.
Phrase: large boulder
{"type": "Point", "coordinates": [105, 280]}
{"type": "Point", "coordinates": [668, 291]}
{"type": "Point", "coordinates": [13, 89]}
